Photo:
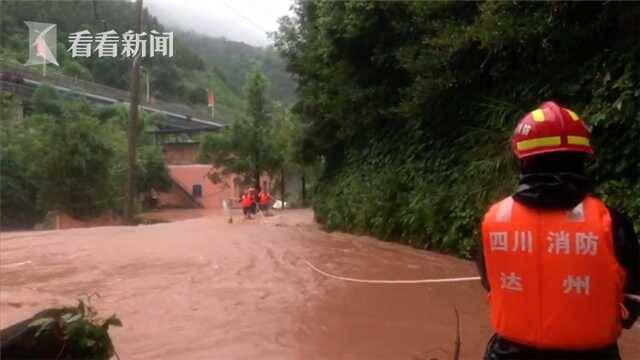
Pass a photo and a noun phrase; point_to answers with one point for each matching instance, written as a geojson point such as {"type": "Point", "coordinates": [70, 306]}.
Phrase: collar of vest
{"type": "Point", "coordinates": [552, 191]}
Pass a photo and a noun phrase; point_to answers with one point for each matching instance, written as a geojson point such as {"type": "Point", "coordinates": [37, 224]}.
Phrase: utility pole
{"type": "Point", "coordinates": [282, 172]}
{"type": "Point", "coordinates": [303, 180]}
{"type": "Point", "coordinates": [132, 133]}
{"type": "Point", "coordinates": [282, 185]}
{"type": "Point", "coordinates": [146, 80]}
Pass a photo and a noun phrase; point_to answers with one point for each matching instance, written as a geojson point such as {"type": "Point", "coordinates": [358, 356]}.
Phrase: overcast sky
{"type": "Point", "coordinates": [239, 20]}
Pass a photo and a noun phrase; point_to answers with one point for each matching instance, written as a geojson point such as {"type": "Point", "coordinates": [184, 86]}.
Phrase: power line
{"type": "Point", "coordinates": [265, 10]}
{"type": "Point", "coordinates": [243, 16]}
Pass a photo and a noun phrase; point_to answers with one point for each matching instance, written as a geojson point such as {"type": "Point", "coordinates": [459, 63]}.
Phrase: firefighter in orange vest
{"type": "Point", "coordinates": [555, 259]}
{"type": "Point", "coordinates": [264, 199]}
{"type": "Point", "coordinates": [247, 202]}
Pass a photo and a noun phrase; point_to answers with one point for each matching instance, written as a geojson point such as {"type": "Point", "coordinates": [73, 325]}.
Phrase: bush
{"type": "Point", "coordinates": [46, 100]}
{"type": "Point", "coordinates": [412, 118]}
{"type": "Point", "coordinates": [74, 161]}
{"type": "Point", "coordinates": [197, 95]}
{"type": "Point", "coordinates": [62, 333]}
{"type": "Point", "coordinates": [18, 193]}
{"type": "Point", "coordinates": [74, 165]}
{"type": "Point", "coordinates": [72, 68]}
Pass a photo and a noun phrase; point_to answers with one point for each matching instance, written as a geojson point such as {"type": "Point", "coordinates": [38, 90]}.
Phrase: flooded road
{"type": "Point", "coordinates": [205, 289]}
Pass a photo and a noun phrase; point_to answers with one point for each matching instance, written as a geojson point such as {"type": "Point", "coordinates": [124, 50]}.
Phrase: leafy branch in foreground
{"type": "Point", "coordinates": [62, 333]}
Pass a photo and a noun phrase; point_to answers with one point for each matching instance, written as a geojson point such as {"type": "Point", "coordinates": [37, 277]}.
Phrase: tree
{"type": "Point", "coordinates": [74, 69]}
{"type": "Point", "coordinates": [46, 100]}
{"type": "Point", "coordinates": [290, 156]}
{"type": "Point", "coordinates": [17, 190]}
{"type": "Point", "coordinates": [72, 164]}
{"type": "Point", "coordinates": [410, 105]}
{"type": "Point", "coordinates": [151, 171]}
{"type": "Point", "coordinates": [245, 148]}
{"type": "Point", "coordinates": [259, 122]}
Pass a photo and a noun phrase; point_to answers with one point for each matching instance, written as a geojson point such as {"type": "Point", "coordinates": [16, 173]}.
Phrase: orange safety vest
{"type": "Point", "coordinates": [264, 198]}
{"type": "Point", "coordinates": [555, 281]}
{"type": "Point", "coordinates": [247, 201]}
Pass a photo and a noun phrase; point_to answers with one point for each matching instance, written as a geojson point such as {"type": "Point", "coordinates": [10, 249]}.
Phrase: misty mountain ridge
{"type": "Point", "coordinates": [199, 62]}
{"type": "Point", "coordinates": [232, 60]}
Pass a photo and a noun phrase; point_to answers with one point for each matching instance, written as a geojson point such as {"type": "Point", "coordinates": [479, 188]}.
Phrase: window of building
{"type": "Point", "coordinates": [196, 191]}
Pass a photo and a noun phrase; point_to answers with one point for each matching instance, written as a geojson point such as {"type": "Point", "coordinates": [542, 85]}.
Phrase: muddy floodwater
{"type": "Point", "coordinates": [200, 288]}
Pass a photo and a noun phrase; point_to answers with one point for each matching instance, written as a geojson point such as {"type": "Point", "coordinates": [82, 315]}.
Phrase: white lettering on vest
{"type": "Point", "coordinates": [558, 242]}
{"type": "Point", "coordinates": [523, 241]}
{"type": "Point", "coordinates": [499, 241]}
{"type": "Point", "coordinates": [577, 284]}
{"type": "Point", "coordinates": [586, 243]}
{"type": "Point", "coordinates": [511, 281]}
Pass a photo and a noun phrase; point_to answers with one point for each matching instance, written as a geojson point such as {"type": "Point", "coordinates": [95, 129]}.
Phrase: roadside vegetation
{"type": "Point", "coordinates": [66, 155]}
{"type": "Point", "coordinates": [410, 105]}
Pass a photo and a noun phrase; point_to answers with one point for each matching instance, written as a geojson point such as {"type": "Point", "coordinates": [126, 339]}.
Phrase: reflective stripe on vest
{"type": "Point", "coordinates": [555, 281]}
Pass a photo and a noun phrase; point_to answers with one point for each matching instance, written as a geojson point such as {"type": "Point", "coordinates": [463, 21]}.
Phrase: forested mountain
{"type": "Point", "coordinates": [199, 62]}
{"type": "Point", "coordinates": [65, 154]}
{"type": "Point", "coordinates": [183, 78]}
{"type": "Point", "coordinates": [411, 105]}
{"type": "Point", "coordinates": [233, 60]}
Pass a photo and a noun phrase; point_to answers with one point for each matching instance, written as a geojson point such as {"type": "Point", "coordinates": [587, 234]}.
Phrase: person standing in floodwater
{"type": "Point", "coordinates": [247, 202]}
{"type": "Point", "coordinates": [264, 200]}
{"type": "Point", "coordinates": [555, 259]}
{"type": "Point", "coordinates": [254, 197]}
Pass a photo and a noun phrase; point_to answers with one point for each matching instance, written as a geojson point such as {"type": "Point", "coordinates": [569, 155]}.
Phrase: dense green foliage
{"type": "Point", "coordinates": [411, 105]}
{"type": "Point", "coordinates": [199, 62]}
{"type": "Point", "coordinates": [74, 162]}
{"type": "Point", "coordinates": [267, 140]}
{"type": "Point", "coordinates": [66, 155]}
{"type": "Point", "coordinates": [62, 333]}
{"type": "Point", "coordinates": [183, 78]}
{"type": "Point", "coordinates": [18, 192]}
{"type": "Point", "coordinates": [245, 147]}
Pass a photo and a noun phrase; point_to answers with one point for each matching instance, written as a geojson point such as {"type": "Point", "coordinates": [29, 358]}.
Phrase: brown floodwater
{"type": "Point", "coordinates": [200, 288]}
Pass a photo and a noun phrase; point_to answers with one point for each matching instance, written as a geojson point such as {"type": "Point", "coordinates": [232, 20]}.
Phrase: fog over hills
{"type": "Point", "coordinates": [240, 20]}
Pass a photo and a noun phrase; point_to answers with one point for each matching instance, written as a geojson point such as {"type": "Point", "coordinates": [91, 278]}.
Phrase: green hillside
{"type": "Point", "coordinates": [232, 60]}
{"type": "Point", "coordinates": [183, 78]}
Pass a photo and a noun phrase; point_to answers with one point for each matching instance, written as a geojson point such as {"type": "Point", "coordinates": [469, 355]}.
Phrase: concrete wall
{"type": "Point", "coordinates": [186, 176]}
{"type": "Point", "coordinates": [180, 154]}
{"type": "Point", "coordinates": [176, 197]}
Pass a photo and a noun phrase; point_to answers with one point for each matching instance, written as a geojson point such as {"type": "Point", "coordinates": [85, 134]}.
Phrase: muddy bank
{"type": "Point", "coordinates": [204, 289]}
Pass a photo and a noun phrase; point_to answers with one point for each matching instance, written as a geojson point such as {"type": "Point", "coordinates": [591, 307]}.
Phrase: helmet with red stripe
{"type": "Point", "coordinates": [548, 129]}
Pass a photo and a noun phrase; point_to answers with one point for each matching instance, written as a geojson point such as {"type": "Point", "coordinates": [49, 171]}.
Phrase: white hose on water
{"type": "Point", "coordinates": [418, 281]}
{"type": "Point", "coordinates": [366, 281]}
